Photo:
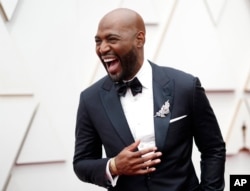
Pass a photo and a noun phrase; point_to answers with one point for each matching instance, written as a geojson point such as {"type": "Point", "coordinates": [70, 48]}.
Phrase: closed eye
{"type": "Point", "coordinates": [113, 40]}
{"type": "Point", "coordinates": [97, 41]}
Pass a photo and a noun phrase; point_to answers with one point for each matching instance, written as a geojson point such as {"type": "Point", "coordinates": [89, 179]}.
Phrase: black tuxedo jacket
{"type": "Point", "coordinates": [101, 122]}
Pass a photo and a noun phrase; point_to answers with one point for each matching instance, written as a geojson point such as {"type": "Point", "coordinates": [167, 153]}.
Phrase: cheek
{"type": "Point", "coordinates": [122, 48]}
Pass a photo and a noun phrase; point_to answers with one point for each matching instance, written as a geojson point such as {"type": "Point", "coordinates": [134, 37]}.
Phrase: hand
{"type": "Point", "coordinates": [132, 162]}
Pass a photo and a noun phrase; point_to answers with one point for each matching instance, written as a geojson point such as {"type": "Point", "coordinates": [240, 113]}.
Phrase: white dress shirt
{"type": "Point", "coordinates": [138, 110]}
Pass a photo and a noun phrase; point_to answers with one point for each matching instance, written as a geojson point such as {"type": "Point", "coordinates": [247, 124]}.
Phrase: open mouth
{"type": "Point", "coordinates": [112, 64]}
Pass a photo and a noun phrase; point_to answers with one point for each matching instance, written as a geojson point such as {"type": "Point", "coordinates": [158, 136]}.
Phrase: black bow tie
{"type": "Point", "coordinates": [134, 85]}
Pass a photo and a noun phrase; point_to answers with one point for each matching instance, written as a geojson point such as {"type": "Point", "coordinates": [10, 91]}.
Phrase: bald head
{"type": "Point", "coordinates": [126, 17]}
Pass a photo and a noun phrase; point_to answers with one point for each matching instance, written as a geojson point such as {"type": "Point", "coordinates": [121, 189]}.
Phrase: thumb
{"type": "Point", "coordinates": [133, 146]}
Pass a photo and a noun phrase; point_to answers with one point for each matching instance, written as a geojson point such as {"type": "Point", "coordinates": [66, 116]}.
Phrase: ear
{"type": "Point", "coordinates": [140, 39]}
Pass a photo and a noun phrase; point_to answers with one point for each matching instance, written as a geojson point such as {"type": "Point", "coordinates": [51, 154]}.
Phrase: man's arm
{"type": "Point", "coordinates": [88, 163]}
{"type": "Point", "coordinates": [209, 141]}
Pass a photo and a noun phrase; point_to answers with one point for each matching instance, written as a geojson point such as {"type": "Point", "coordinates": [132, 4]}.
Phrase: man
{"type": "Point", "coordinates": [147, 133]}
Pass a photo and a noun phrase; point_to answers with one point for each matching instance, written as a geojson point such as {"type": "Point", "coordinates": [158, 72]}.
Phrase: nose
{"type": "Point", "coordinates": [104, 47]}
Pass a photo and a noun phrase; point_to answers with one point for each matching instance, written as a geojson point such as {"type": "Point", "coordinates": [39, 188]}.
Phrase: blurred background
{"type": "Point", "coordinates": [47, 57]}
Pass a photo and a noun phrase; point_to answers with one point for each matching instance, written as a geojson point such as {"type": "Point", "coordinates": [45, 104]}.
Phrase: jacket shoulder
{"type": "Point", "coordinates": [93, 89]}
{"type": "Point", "coordinates": [172, 73]}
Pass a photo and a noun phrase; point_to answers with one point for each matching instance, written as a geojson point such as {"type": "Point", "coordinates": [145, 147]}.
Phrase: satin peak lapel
{"type": "Point", "coordinates": [163, 90]}
{"type": "Point", "coordinates": [112, 105]}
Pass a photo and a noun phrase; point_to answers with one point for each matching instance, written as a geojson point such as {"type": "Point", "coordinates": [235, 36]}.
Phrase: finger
{"type": "Point", "coordinates": [151, 156]}
{"type": "Point", "coordinates": [152, 163]}
{"type": "Point", "coordinates": [144, 152]}
{"type": "Point", "coordinates": [145, 171]}
{"type": "Point", "coordinates": [144, 162]}
{"type": "Point", "coordinates": [133, 146]}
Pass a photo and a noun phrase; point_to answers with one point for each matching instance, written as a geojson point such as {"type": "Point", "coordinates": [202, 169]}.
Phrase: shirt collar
{"type": "Point", "coordinates": [144, 75]}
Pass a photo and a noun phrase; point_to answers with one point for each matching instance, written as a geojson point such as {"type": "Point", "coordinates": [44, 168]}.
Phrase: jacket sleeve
{"type": "Point", "coordinates": [209, 140]}
{"type": "Point", "coordinates": [89, 166]}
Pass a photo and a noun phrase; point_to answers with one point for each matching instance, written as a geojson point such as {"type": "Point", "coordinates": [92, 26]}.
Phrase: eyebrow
{"type": "Point", "coordinates": [109, 35]}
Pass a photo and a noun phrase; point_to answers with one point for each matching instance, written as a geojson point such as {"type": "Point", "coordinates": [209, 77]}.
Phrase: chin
{"type": "Point", "coordinates": [115, 77]}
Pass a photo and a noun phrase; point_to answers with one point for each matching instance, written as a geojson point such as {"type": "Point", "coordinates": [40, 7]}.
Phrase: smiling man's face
{"type": "Point", "coordinates": [116, 46]}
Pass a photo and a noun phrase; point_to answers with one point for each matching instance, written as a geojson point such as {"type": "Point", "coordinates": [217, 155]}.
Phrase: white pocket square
{"type": "Point", "coordinates": [177, 118]}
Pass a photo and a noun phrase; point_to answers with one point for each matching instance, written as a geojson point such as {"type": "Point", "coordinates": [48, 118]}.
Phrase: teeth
{"type": "Point", "coordinates": [108, 59]}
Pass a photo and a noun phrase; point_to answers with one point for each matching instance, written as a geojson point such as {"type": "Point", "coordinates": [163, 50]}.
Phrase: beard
{"type": "Point", "coordinates": [129, 66]}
